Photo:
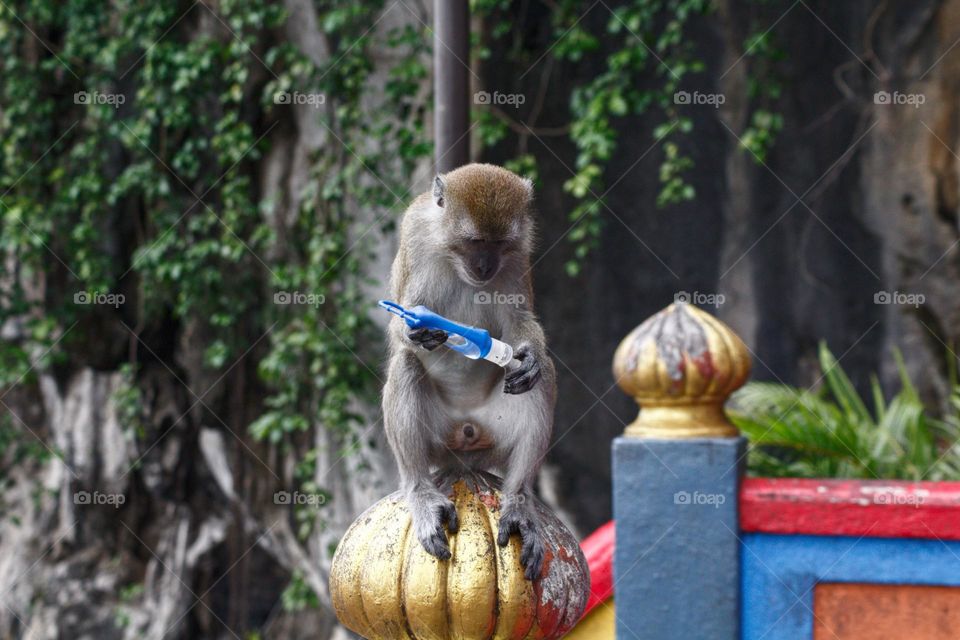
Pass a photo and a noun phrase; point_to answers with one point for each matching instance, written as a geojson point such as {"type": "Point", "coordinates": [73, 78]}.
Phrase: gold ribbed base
{"type": "Point", "coordinates": [385, 586]}
{"type": "Point", "coordinates": [682, 421]}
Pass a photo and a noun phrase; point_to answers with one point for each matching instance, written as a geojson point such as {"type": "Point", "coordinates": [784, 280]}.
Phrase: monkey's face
{"type": "Point", "coordinates": [484, 214]}
{"type": "Point", "coordinates": [479, 259]}
{"type": "Point", "coordinates": [481, 250]}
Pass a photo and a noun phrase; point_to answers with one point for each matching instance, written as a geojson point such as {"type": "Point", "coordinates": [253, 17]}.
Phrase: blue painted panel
{"type": "Point", "coordinates": [677, 556]}
{"type": "Point", "coordinates": [779, 574]}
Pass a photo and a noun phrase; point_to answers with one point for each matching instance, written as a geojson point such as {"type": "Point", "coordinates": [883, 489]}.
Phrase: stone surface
{"type": "Point", "coordinates": [885, 612]}
{"type": "Point", "coordinates": [676, 564]}
{"type": "Point", "coordinates": [883, 209]}
{"type": "Point", "coordinates": [781, 574]}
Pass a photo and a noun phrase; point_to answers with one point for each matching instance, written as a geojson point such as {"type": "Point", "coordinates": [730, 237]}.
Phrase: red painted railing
{"type": "Point", "coordinates": [598, 549]}
{"type": "Point", "coordinates": [872, 508]}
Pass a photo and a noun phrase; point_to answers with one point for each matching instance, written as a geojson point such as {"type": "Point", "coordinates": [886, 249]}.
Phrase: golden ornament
{"type": "Point", "coordinates": [680, 366]}
{"type": "Point", "coordinates": [384, 586]}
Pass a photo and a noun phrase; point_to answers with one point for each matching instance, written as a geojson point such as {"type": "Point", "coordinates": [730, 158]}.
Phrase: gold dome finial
{"type": "Point", "coordinates": [680, 366]}
{"type": "Point", "coordinates": [384, 586]}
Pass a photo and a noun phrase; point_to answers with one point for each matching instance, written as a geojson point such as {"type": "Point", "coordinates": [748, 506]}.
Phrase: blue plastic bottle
{"type": "Point", "coordinates": [472, 342]}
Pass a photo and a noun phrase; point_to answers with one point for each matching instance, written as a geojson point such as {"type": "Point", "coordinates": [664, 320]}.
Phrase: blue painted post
{"type": "Point", "coordinates": [676, 479]}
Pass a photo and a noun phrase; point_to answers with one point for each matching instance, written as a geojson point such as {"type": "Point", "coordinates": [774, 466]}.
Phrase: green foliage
{"type": "Point", "coordinates": [831, 432]}
{"type": "Point", "coordinates": [315, 363]}
{"type": "Point", "coordinates": [132, 135]}
{"type": "Point", "coordinates": [761, 54]}
{"type": "Point", "coordinates": [18, 448]}
{"type": "Point", "coordinates": [647, 56]}
{"type": "Point", "coordinates": [129, 402]}
{"type": "Point", "coordinates": [152, 188]}
{"type": "Point", "coordinates": [128, 594]}
{"type": "Point", "coordinates": [298, 595]}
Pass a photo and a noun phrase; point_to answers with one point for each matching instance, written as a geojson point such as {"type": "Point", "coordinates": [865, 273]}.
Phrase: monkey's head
{"type": "Point", "coordinates": [485, 219]}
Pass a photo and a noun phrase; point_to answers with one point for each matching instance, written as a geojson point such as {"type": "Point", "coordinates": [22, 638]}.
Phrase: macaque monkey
{"type": "Point", "coordinates": [472, 236]}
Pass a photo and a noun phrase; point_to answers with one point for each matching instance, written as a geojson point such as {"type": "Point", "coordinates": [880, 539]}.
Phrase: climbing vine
{"type": "Point", "coordinates": [134, 215]}
{"type": "Point", "coordinates": [131, 201]}
{"type": "Point", "coordinates": [647, 58]}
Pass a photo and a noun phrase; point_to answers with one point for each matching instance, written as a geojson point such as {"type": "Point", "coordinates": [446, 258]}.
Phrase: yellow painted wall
{"type": "Point", "coordinates": [598, 625]}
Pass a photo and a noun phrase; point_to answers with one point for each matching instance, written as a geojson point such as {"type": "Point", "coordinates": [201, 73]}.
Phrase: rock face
{"type": "Point", "coordinates": [856, 198]}
{"type": "Point", "coordinates": [384, 586]}
{"type": "Point", "coordinates": [167, 526]}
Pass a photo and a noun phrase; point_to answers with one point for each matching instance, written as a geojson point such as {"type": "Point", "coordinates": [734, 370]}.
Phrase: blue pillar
{"type": "Point", "coordinates": [676, 480]}
{"type": "Point", "coordinates": [677, 558]}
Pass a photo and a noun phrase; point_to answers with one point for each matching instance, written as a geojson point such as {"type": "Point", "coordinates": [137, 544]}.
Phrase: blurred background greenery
{"type": "Point", "coordinates": [198, 210]}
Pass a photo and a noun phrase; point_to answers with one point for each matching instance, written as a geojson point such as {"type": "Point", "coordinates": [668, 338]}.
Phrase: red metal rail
{"type": "Point", "coordinates": [876, 508]}
{"type": "Point", "coordinates": [598, 549]}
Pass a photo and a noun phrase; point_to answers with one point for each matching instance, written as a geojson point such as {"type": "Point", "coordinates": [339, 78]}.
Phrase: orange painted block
{"type": "Point", "coordinates": [849, 611]}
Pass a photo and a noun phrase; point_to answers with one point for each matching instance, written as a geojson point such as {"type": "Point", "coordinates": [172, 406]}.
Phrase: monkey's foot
{"type": "Point", "coordinates": [523, 377]}
{"type": "Point", "coordinates": [430, 511]}
{"type": "Point", "coordinates": [518, 520]}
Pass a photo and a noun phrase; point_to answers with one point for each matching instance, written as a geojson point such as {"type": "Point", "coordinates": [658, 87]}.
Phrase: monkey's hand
{"type": "Point", "coordinates": [430, 510]}
{"type": "Point", "coordinates": [428, 338]}
{"type": "Point", "coordinates": [522, 378]}
{"type": "Point", "coordinates": [519, 520]}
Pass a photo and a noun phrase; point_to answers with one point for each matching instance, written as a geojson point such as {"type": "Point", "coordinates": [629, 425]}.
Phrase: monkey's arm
{"type": "Point", "coordinates": [533, 412]}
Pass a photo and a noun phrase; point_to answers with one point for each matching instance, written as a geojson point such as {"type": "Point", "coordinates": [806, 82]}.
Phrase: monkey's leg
{"type": "Point", "coordinates": [524, 427]}
{"type": "Point", "coordinates": [412, 417]}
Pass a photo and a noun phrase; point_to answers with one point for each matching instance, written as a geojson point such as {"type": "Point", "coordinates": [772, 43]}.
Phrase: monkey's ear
{"type": "Point", "coordinates": [439, 189]}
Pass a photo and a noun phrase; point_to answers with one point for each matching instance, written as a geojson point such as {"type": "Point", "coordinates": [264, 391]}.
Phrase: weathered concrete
{"type": "Point", "coordinates": [676, 565]}
{"type": "Point", "coordinates": [781, 574]}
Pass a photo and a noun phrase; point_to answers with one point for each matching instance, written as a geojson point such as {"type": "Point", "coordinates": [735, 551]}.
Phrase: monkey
{"type": "Point", "coordinates": [471, 235]}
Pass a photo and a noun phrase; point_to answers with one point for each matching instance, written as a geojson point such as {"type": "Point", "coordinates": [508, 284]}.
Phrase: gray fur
{"type": "Point", "coordinates": [430, 391]}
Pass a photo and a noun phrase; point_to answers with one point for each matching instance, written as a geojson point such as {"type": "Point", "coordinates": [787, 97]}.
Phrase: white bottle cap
{"type": "Point", "coordinates": [500, 353]}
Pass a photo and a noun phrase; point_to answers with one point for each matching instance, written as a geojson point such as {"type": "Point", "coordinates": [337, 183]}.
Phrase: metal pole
{"type": "Point", "coordinates": [451, 88]}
